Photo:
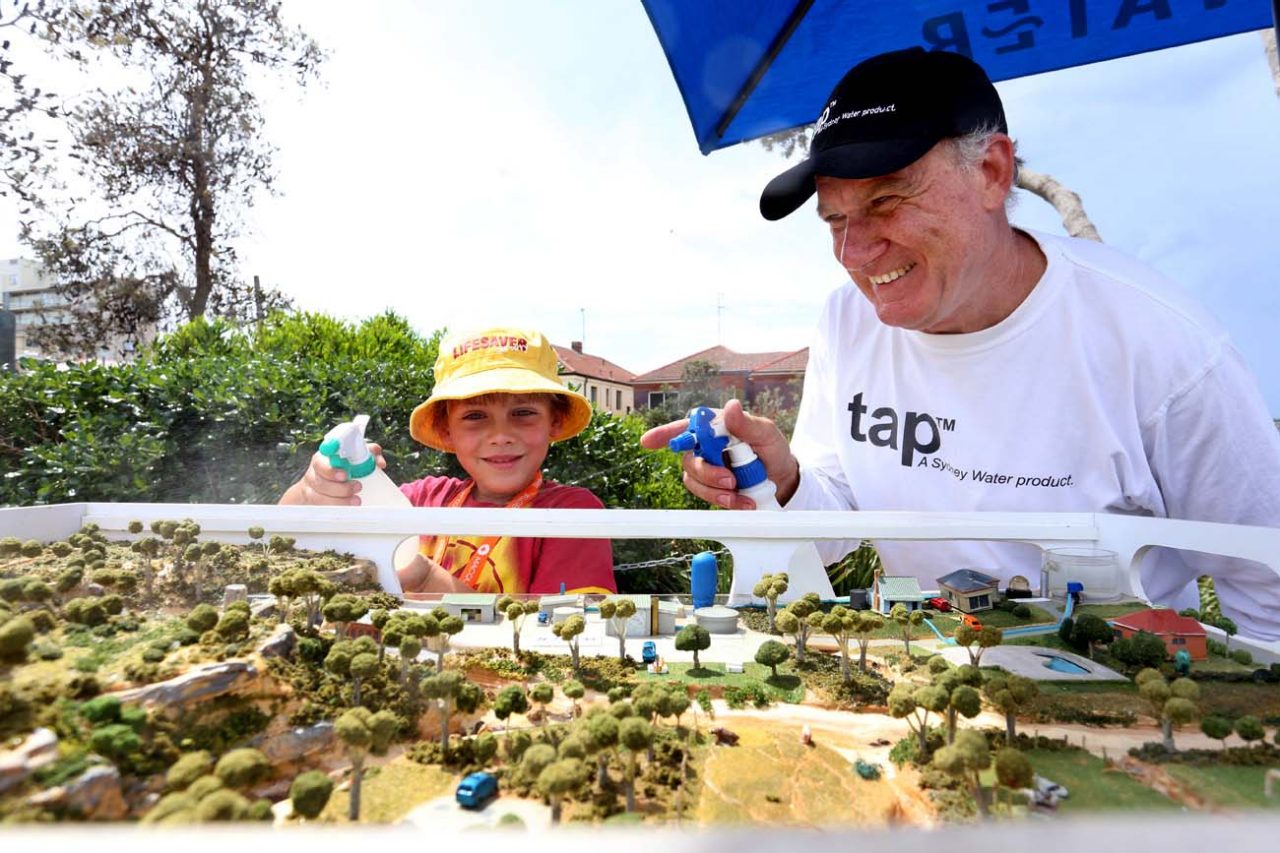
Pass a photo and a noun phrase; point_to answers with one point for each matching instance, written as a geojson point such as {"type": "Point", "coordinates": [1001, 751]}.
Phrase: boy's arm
{"type": "Point", "coordinates": [425, 575]}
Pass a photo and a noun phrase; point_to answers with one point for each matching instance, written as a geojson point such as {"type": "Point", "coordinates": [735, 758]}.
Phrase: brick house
{"type": "Point", "coordinates": [604, 383]}
{"type": "Point", "coordinates": [1177, 632]}
{"type": "Point", "coordinates": [744, 375]}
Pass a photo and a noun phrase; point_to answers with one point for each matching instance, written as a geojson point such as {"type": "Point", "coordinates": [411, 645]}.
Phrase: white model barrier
{"type": "Point", "coordinates": [759, 542]}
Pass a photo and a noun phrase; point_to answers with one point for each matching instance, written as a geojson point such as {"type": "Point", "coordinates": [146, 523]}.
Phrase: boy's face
{"type": "Point", "coordinates": [501, 440]}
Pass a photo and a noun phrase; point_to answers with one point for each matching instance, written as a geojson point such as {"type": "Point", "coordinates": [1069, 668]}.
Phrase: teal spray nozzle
{"type": "Point", "coordinates": [344, 446]}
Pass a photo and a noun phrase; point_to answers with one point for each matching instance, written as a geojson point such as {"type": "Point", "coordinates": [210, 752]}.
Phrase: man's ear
{"type": "Point", "coordinates": [998, 170]}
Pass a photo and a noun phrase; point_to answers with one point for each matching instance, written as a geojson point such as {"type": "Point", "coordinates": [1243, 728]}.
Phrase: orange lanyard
{"type": "Point", "coordinates": [471, 573]}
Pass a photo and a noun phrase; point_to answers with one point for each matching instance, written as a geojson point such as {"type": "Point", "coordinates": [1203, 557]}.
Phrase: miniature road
{"type": "Point", "coordinates": [443, 815]}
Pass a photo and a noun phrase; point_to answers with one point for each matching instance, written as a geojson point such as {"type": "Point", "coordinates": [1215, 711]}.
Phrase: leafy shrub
{"type": "Point", "coordinates": [1242, 656]}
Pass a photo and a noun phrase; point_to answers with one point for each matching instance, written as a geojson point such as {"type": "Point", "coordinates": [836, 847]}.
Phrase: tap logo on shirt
{"type": "Point", "coordinates": [912, 433]}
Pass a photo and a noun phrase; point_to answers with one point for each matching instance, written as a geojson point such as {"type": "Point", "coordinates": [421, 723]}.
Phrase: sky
{"type": "Point", "coordinates": [506, 161]}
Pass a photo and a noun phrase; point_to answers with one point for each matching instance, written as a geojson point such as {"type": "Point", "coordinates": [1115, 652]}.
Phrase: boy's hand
{"type": "Point", "coordinates": [324, 485]}
{"type": "Point", "coordinates": [426, 575]}
{"type": "Point", "coordinates": [715, 484]}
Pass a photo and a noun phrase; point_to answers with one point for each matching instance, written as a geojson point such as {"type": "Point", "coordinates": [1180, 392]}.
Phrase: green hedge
{"type": "Point", "coordinates": [217, 414]}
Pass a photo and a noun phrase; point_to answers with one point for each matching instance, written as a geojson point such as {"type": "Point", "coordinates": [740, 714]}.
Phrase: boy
{"type": "Point", "coordinates": [497, 406]}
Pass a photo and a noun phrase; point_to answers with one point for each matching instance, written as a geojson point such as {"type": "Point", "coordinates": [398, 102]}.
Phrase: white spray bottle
{"type": "Point", "coordinates": [709, 438]}
{"type": "Point", "coordinates": [345, 447]}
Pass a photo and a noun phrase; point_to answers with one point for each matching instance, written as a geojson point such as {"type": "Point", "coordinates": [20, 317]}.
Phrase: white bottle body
{"type": "Point", "coordinates": [377, 489]}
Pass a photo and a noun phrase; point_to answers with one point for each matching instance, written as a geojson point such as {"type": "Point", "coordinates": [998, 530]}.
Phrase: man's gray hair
{"type": "Point", "coordinates": [972, 147]}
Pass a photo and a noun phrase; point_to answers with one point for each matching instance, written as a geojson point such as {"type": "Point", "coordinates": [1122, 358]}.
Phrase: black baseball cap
{"type": "Point", "coordinates": [885, 114]}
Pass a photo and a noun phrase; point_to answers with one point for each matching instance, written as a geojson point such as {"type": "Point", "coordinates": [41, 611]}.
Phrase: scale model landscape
{"type": "Point", "coordinates": [172, 679]}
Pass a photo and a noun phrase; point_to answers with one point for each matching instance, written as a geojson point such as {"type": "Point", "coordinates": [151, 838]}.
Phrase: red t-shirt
{"type": "Point", "coordinates": [531, 565]}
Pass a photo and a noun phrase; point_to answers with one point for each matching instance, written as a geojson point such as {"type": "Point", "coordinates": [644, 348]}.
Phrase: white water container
{"type": "Point", "coordinates": [1097, 569]}
{"type": "Point", "coordinates": [346, 449]}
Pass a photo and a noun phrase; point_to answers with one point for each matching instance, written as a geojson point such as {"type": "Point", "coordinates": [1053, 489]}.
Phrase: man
{"type": "Point", "coordinates": [971, 365]}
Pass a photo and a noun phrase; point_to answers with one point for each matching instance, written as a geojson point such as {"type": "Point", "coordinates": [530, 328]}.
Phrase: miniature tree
{"type": "Point", "coordinates": [771, 653]}
{"type": "Point", "coordinates": [534, 760]}
{"type": "Point", "coordinates": [618, 612]}
{"type": "Point", "coordinates": [363, 666]}
{"type": "Point", "coordinates": [484, 748]}
{"type": "Point", "coordinates": [560, 779]}
{"type": "Point", "coordinates": [189, 767]}
{"type": "Point", "coordinates": [543, 693]}
{"type": "Point", "coordinates": [256, 533]}
{"type": "Point", "coordinates": [1010, 694]}
{"type": "Point", "coordinates": [570, 630]}
{"type": "Point", "coordinates": [906, 620]}
{"type": "Point", "coordinates": [799, 619]}
{"type": "Point", "coordinates": [1217, 727]}
{"type": "Point", "coordinates": [769, 588]}
{"type": "Point", "coordinates": [67, 580]}
{"type": "Point", "coordinates": [574, 690]}
{"type": "Point", "coordinates": [1143, 649]}
{"type": "Point", "coordinates": [378, 618]}
{"type": "Point", "coordinates": [914, 705]}
{"type": "Point", "coordinates": [635, 734]}
{"type": "Point", "coordinates": [678, 701]}
{"type": "Point", "coordinates": [843, 624]}
{"type": "Point", "coordinates": [963, 699]}
{"type": "Point", "coordinates": [310, 792]}
{"type": "Point", "coordinates": [364, 733]}
{"type": "Point", "coordinates": [516, 612]}
{"type": "Point", "coordinates": [1091, 631]}
{"type": "Point", "coordinates": [1227, 626]}
{"type": "Point", "coordinates": [343, 609]}
{"type": "Point", "coordinates": [986, 638]}
{"type": "Point", "coordinates": [1174, 704]}
{"type": "Point", "coordinates": [409, 648]}
{"type": "Point", "coordinates": [1013, 769]}
{"type": "Point", "coordinates": [511, 700]}
{"type": "Point", "coordinates": [601, 737]}
{"type": "Point", "coordinates": [694, 638]}
{"type": "Point", "coordinates": [869, 624]}
{"type": "Point", "coordinates": [1249, 728]}
{"type": "Point", "coordinates": [440, 625]}
{"type": "Point", "coordinates": [452, 692]}
{"type": "Point", "coordinates": [965, 760]}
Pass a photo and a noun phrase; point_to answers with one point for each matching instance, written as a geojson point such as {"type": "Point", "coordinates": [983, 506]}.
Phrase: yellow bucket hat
{"type": "Point", "coordinates": [499, 360]}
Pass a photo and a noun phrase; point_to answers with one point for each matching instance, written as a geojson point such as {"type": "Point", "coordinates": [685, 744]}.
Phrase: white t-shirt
{"type": "Point", "coordinates": [1106, 390]}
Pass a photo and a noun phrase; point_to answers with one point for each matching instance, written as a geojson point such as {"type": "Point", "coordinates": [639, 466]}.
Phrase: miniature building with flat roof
{"type": "Point", "coordinates": [548, 603]}
{"type": "Point", "coordinates": [887, 592]}
{"type": "Point", "coordinates": [970, 590]}
{"type": "Point", "coordinates": [1178, 632]}
{"type": "Point", "coordinates": [471, 606]}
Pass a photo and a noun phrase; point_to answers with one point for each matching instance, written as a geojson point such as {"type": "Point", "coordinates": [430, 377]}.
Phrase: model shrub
{"type": "Point", "coordinates": [1143, 649]}
{"type": "Point", "coordinates": [242, 768]}
{"type": "Point", "coordinates": [187, 769]}
{"type": "Point", "coordinates": [1022, 611]}
{"type": "Point", "coordinates": [202, 618]}
{"type": "Point", "coordinates": [15, 636]}
{"type": "Point", "coordinates": [1242, 656]}
{"type": "Point", "coordinates": [233, 625]}
{"type": "Point", "coordinates": [223, 805]}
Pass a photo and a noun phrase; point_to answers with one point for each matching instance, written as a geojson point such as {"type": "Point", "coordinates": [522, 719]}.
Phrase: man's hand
{"type": "Point", "coordinates": [715, 484]}
{"type": "Point", "coordinates": [324, 485]}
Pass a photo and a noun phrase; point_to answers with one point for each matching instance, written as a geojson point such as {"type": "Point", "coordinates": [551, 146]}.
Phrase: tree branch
{"type": "Point", "coordinates": [1065, 201]}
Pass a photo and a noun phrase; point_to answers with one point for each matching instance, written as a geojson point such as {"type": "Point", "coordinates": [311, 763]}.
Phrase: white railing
{"type": "Point", "coordinates": [758, 541]}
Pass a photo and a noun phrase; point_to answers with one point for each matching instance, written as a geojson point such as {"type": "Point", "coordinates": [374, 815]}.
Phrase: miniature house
{"type": "Point", "coordinates": [653, 617]}
{"type": "Point", "coordinates": [1178, 632]}
{"type": "Point", "coordinates": [549, 603]}
{"type": "Point", "coordinates": [970, 590]}
{"type": "Point", "coordinates": [471, 606]}
{"type": "Point", "coordinates": [890, 591]}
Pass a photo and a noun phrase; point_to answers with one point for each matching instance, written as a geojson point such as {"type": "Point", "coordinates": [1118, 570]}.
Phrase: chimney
{"type": "Point", "coordinates": [576, 346]}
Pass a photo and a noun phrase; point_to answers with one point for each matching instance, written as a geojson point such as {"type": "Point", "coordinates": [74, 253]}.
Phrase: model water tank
{"type": "Point", "coordinates": [1096, 569]}
{"type": "Point", "coordinates": [702, 579]}
{"type": "Point", "coordinates": [717, 619]}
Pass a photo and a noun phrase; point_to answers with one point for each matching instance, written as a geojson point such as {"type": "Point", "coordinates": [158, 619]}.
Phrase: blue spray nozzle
{"type": "Point", "coordinates": [701, 437]}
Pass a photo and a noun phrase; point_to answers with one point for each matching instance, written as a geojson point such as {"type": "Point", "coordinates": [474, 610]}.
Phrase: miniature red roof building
{"type": "Point", "coordinates": [1178, 632]}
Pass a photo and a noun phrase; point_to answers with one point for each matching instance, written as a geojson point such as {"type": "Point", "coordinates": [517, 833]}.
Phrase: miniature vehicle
{"type": "Point", "coordinates": [971, 621]}
{"type": "Point", "coordinates": [724, 736]}
{"type": "Point", "coordinates": [544, 617]}
{"type": "Point", "coordinates": [806, 736]}
{"type": "Point", "coordinates": [939, 603]}
{"type": "Point", "coordinates": [649, 652]}
{"type": "Point", "coordinates": [476, 790]}
{"type": "Point", "coordinates": [1050, 788]}
{"type": "Point", "coordinates": [880, 741]}
{"type": "Point", "coordinates": [867, 770]}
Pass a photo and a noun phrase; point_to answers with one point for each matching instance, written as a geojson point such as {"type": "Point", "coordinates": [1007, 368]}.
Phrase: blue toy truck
{"type": "Point", "coordinates": [476, 790]}
{"type": "Point", "coordinates": [649, 652]}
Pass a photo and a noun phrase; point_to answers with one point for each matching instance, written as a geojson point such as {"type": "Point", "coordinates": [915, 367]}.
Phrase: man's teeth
{"type": "Point", "coordinates": [891, 276]}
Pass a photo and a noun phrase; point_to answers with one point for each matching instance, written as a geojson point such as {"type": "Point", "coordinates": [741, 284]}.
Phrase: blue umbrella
{"type": "Point", "coordinates": [749, 68]}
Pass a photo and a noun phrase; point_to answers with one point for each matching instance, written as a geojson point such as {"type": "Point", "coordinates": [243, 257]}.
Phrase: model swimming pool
{"type": "Point", "coordinates": [1059, 664]}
